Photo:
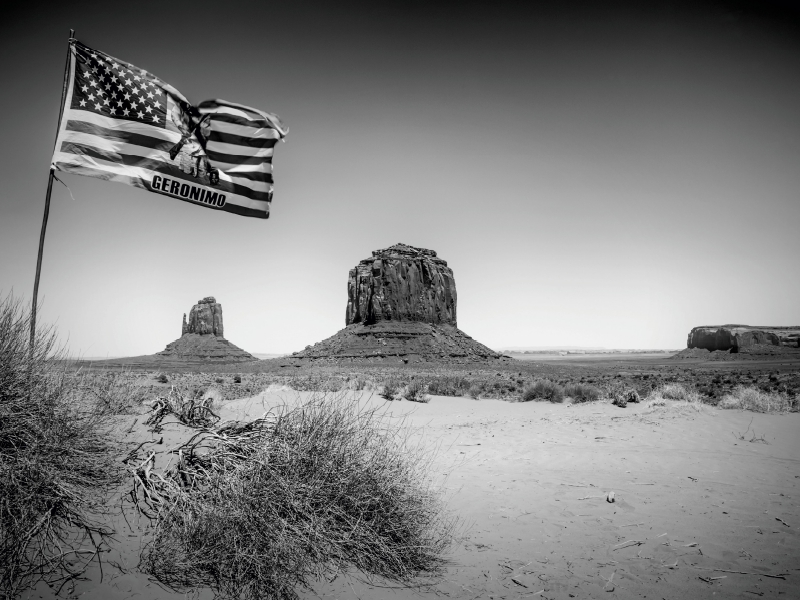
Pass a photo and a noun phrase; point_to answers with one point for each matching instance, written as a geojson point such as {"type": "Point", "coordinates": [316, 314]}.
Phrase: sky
{"type": "Point", "coordinates": [597, 174]}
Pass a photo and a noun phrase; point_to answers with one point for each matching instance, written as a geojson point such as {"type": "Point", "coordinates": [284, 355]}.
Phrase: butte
{"type": "Point", "coordinates": [401, 308]}
{"type": "Point", "coordinates": [202, 338]}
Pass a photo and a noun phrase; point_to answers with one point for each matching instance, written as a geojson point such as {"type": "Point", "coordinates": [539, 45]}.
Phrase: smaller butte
{"type": "Point", "coordinates": [202, 338]}
{"type": "Point", "coordinates": [401, 307]}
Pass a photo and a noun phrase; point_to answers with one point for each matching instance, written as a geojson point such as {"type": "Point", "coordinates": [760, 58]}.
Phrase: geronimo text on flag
{"type": "Point", "coordinates": [123, 124]}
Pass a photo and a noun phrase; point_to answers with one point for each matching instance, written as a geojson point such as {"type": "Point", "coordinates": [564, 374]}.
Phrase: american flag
{"type": "Point", "coordinates": [123, 124]}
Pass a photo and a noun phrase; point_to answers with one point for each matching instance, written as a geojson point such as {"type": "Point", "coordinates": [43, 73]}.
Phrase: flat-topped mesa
{"type": "Point", "coordinates": [205, 318]}
{"type": "Point", "coordinates": [401, 308]}
{"type": "Point", "coordinates": [735, 338]}
{"type": "Point", "coordinates": [401, 283]}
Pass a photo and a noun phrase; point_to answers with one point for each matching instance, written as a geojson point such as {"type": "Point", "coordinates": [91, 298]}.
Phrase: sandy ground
{"type": "Point", "coordinates": [695, 504]}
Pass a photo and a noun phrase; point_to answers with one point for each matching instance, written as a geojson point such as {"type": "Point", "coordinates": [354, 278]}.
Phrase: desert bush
{"type": "Point", "coordinates": [58, 459]}
{"type": "Point", "coordinates": [390, 388]}
{"type": "Point", "coordinates": [752, 398]}
{"type": "Point", "coordinates": [237, 379]}
{"type": "Point", "coordinates": [475, 391]}
{"type": "Point", "coordinates": [261, 509]}
{"type": "Point", "coordinates": [543, 389]}
{"type": "Point", "coordinates": [190, 406]}
{"type": "Point", "coordinates": [581, 392]}
{"type": "Point", "coordinates": [116, 393]}
{"type": "Point", "coordinates": [162, 378]}
{"type": "Point", "coordinates": [674, 391]}
{"type": "Point", "coordinates": [448, 385]}
{"type": "Point", "coordinates": [415, 392]}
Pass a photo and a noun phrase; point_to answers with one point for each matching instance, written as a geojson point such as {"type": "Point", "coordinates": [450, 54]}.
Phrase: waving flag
{"type": "Point", "coordinates": [123, 124]}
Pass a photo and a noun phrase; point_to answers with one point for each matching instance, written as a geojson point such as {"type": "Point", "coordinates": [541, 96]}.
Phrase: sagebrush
{"type": "Point", "coordinates": [261, 509]}
{"type": "Point", "coordinates": [58, 458]}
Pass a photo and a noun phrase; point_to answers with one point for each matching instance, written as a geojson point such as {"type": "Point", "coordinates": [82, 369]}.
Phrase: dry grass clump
{"type": "Point", "coordinates": [391, 387]}
{"type": "Point", "coordinates": [582, 392]}
{"type": "Point", "coordinates": [757, 400]}
{"type": "Point", "coordinates": [674, 391]}
{"type": "Point", "coordinates": [415, 392]}
{"type": "Point", "coordinates": [57, 459]}
{"type": "Point", "coordinates": [448, 385]}
{"type": "Point", "coordinates": [543, 390]}
{"type": "Point", "coordinates": [259, 510]}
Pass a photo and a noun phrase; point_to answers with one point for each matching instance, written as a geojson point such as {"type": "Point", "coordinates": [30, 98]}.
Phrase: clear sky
{"type": "Point", "coordinates": [596, 174]}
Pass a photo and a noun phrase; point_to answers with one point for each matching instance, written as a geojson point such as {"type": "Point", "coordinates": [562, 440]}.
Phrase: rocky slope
{"type": "Point", "coordinates": [401, 308]}
{"type": "Point", "coordinates": [737, 338]}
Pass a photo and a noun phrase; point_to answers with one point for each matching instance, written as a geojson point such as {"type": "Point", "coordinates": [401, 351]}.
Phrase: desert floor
{"type": "Point", "coordinates": [707, 502]}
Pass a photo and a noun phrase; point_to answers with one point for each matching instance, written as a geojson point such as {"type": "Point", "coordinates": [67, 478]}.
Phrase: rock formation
{"type": "Point", "coordinates": [401, 307]}
{"type": "Point", "coordinates": [737, 338]}
{"type": "Point", "coordinates": [204, 318]}
{"type": "Point", "coordinates": [401, 283]}
{"type": "Point", "coordinates": [202, 337]}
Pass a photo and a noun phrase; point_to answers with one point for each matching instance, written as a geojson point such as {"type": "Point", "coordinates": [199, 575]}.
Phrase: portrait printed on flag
{"type": "Point", "coordinates": [123, 124]}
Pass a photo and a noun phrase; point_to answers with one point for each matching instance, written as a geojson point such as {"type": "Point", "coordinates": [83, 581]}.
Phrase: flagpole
{"type": "Point", "coordinates": [47, 200]}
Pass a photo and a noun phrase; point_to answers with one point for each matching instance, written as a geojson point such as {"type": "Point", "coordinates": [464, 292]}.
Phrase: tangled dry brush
{"type": "Point", "coordinates": [263, 508]}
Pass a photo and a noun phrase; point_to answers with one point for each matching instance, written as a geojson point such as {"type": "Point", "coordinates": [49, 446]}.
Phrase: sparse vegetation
{"type": "Point", "coordinates": [415, 392]}
{"type": "Point", "coordinates": [259, 510]}
{"type": "Point", "coordinates": [582, 392]}
{"type": "Point", "coordinates": [390, 389]}
{"type": "Point", "coordinates": [756, 400]}
{"type": "Point", "coordinates": [674, 391]}
{"type": "Point", "coordinates": [543, 390]}
{"type": "Point", "coordinates": [190, 407]}
{"type": "Point", "coordinates": [57, 458]}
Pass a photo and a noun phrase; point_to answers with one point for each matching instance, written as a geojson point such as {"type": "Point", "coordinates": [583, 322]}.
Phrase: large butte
{"type": "Point", "coordinates": [401, 308]}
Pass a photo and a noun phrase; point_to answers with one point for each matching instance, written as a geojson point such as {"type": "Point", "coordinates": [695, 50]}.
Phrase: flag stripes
{"type": "Point", "coordinates": [122, 124]}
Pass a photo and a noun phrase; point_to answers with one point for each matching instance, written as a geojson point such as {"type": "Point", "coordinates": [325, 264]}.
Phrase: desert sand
{"type": "Point", "coordinates": [707, 502]}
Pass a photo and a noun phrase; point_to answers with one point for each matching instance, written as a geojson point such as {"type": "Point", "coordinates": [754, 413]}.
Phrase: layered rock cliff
{"type": "Point", "coordinates": [401, 307]}
{"type": "Point", "coordinates": [736, 338]}
{"type": "Point", "coordinates": [401, 283]}
{"type": "Point", "coordinates": [204, 318]}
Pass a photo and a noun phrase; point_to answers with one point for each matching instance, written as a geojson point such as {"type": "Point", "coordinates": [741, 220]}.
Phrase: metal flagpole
{"type": "Point", "coordinates": [47, 200]}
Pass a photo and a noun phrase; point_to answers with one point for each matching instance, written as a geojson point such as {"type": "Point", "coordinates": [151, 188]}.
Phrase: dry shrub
{"type": "Point", "coordinates": [545, 390]}
{"type": "Point", "coordinates": [192, 407]}
{"type": "Point", "coordinates": [415, 392]}
{"type": "Point", "coordinates": [475, 391]}
{"type": "Point", "coordinates": [391, 387]}
{"type": "Point", "coordinates": [259, 510]}
{"type": "Point", "coordinates": [581, 392]}
{"type": "Point", "coordinates": [448, 385]}
{"type": "Point", "coordinates": [674, 391]}
{"type": "Point", "coordinates": [752, 398]}
{"type": "Point", "coordinates": [58, 460]}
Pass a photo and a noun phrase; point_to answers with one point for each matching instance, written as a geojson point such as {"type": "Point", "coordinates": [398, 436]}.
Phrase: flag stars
{"type": "Point", "coordinates": [97, 106]}
{"type": "Point", "coordinates": [157, 104]}
{"type": "Point", "coordinates": [155, 119]}
{"type": "Point", "coordinates": [126, 112]}
{"type": "Point", "coordinates": [83, 103]}
{"type": "Point", "coordinates": [141, 115]}
{"type": "Point", "coordinates": [150, 95]}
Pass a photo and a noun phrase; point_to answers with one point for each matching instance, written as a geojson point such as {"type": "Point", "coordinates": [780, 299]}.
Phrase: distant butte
{"type": "Point", "coordinates": [401, 307]}
{"type": "Point", "coordinates": [202, 338]}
